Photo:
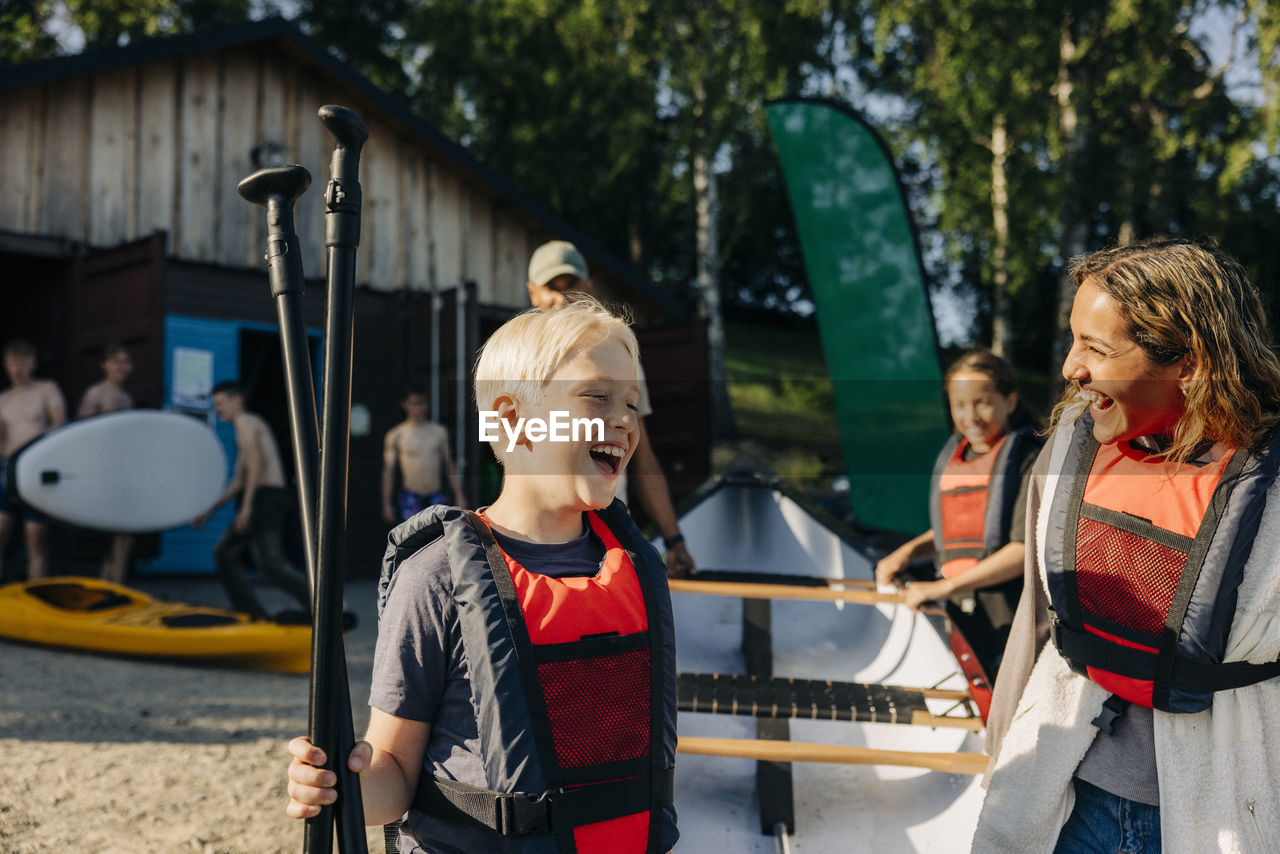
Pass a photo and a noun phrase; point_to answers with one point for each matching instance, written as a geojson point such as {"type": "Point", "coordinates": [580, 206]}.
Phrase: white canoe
{"type": "Point", "coordinates": [751, 524]}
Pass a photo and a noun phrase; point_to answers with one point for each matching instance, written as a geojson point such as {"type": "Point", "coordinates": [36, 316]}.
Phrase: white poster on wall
{"type": "Point", "coordinates": [192, 378]}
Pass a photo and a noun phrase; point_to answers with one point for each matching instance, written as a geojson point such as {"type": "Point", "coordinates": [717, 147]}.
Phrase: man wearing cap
{"type": "Point", "coordinates": [557, 269]}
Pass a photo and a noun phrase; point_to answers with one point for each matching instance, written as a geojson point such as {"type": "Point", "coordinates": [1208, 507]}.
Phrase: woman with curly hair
{"type": "Point", "coordinates": [1138, 703]}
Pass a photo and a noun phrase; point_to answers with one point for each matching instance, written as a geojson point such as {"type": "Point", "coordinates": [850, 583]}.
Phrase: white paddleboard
{"type": "Point", "coordinates": [134, 471]}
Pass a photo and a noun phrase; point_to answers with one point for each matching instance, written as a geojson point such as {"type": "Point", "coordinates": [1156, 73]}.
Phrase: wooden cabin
{"type": "Point", "coordinates": [120, 221]}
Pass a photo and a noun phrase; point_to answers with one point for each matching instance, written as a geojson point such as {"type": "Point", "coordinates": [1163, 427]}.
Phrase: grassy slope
{"type": "Point", "coordinates": [782, 401]}
{"type": "Point", "coordinates": [784, 406]}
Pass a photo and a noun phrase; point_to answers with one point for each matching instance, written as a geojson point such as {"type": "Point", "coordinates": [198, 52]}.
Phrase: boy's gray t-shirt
{"type": "Point", "coordinates": [420, 673]}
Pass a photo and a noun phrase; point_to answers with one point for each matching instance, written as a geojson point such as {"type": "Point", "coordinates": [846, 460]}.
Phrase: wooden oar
{"type": "Point", "coordinates": [781, 578]}
{"type": "Point", "coordinates": [750, 590]}
{"type": "Point", "coordinates": [799, 751]}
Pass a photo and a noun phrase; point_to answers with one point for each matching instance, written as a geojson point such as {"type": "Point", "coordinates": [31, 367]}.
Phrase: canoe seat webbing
{"type": "Point", "coordinates": [391, 836]}
{"type": "Point", "coordinates": [762, 697]}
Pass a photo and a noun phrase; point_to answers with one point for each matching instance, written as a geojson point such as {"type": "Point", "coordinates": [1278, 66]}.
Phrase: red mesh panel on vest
{"type": "Point", "coordinates": [599, 707]}
{"type": "Point", "coordinates": [964, 517]}
{"type": "Point", "coordinates": [1125, 578]}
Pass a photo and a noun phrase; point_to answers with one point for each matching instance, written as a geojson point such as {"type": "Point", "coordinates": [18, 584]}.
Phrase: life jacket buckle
{"type": "Point", "coordinates": [1111, 712]}
{"type": "Point", "coordinates": [1055, 629]}
{"type": "Point", "coordinates": [520, 813]}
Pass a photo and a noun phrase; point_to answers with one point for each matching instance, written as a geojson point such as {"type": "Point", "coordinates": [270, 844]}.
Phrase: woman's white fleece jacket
{"type": "Point", "coordinates": [1219, 770]}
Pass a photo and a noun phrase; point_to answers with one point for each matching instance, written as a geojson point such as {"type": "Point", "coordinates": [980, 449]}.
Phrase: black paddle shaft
{"type": "Point", "coordinates": [329, 692]}
{"type": "Point", "coordinates": [277, 189]}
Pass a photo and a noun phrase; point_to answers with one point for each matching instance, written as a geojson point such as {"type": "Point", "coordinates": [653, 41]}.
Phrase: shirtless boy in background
{"type": "Point", "coordinates": [28, 408]}
{"type": "Point", "coordinates": [416, 451]}
{"type": "Point", "coordinates": [258, 530]}
{"type": "Point", "coordinates": [109, 395]}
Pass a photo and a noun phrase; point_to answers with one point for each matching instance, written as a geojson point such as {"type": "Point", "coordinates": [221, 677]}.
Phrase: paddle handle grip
{"type": "Point", "coordinates": [343, 195]}
{"type": "Point", "coordinates": [277, 189]}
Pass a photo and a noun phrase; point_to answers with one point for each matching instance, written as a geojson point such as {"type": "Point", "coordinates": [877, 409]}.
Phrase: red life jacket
{"type": "Point", "coordinates": [598, 702]}
{"type": "Point", "coordinates": [1143, 564]}
{"type": "Point", "coordinates": [570, 682]}
{"type": "Point", "coordinates": [971, 502]}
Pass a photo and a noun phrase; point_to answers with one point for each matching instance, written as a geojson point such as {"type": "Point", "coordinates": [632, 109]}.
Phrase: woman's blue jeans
{"type": "Point", "coordinates": [1103, 823]}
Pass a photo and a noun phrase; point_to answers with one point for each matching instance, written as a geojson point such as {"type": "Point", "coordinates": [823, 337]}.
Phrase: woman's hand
{"type": "Point", "coordinates": [311, 786]}
{"type": "Point", "coordinates": [917, 594]}
{"type": "Point", "coordinates": [890, 567]}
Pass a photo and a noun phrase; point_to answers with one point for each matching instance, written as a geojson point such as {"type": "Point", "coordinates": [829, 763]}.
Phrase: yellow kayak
{"type": "Point", "coordinates": [96, 615]}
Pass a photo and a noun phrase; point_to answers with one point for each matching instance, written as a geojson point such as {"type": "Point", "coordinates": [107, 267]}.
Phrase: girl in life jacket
{"type": "Point", "coordinates": [975, 504]}
{"type": "Point", "coordinates": [1137, 706]}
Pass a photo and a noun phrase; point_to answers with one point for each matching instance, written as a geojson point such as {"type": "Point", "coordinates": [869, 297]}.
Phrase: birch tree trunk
{"type": "Point", "coordinates": [706, 209]}
{"type": "Point", "coordinates": [1072, 239]}
{"type": "Point", "coordinates": [1002, 312]}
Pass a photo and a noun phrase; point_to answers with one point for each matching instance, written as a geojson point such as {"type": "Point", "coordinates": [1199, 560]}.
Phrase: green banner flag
{"type": "Point", "coordinates": [863, 264]}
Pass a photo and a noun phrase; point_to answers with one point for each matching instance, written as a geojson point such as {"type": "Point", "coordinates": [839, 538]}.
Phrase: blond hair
{"type": "Point", "coordinates": [521, 357]}
{"type": "Point", "coordinates": [1185, 299]}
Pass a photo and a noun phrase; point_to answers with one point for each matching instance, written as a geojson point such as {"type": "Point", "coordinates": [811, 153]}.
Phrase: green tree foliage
{"type": "Point", "coordinates": [978, 77]}
{"type": "Point", "coordinates": [593, 108]}
{"type": "Point", "coordinates": [1117, 123]}
{"type": "Point", "coordinates": [1120, 128]}
{"type": "Point", "coordinates": [25, 30]}
{"type": "Point", "coordinates": [27, 26]}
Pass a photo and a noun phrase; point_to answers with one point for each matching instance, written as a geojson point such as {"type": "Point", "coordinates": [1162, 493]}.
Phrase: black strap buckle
{"type": "Point", "coordinates": [1112, 710]}
{"type": "Point", "coordinates": [520, 813]}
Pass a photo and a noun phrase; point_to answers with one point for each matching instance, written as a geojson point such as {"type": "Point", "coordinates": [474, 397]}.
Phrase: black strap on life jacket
{"type": "Point", "coordinates": [521, 813]}
{"type": "Point", "coordinates": [1191, 676]}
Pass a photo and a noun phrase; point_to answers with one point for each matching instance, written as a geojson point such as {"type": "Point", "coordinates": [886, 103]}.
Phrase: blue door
{"type": "Point", "coordinates": [199, 353]}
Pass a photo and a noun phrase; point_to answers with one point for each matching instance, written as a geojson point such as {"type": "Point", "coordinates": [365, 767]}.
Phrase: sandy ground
{"type": "Point", "coordinates": [115, 756]}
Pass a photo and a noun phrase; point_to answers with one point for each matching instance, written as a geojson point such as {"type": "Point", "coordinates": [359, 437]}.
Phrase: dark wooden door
{"type": "Point", "coordinates": [113, 295]}
{"type": "Point", "coordinates": [675, 366]}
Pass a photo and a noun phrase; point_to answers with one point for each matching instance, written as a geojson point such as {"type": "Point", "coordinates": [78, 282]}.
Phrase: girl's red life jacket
{"type": "Point", "coordinates": [971, 502]}
{"type": "Point", "coordinates": [571, 679]}
{"type": "Point", "coordinates": [1144, 559]}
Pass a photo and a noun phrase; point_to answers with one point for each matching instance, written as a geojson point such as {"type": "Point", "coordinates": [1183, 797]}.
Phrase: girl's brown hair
{"type": "Point", "coordinates": [1187, 299]}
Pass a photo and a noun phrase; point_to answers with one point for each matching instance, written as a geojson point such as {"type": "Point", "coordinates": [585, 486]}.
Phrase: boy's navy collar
{"type": "Point", "coordinates": [518, 548]}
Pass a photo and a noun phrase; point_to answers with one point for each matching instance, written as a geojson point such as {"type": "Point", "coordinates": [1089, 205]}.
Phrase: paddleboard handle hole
{"type": "Point", "coordinates": [49, 476]}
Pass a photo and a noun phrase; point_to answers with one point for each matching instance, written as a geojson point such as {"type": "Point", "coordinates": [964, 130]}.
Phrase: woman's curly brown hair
{"type": "Point", "coordinates": [1187, 299]}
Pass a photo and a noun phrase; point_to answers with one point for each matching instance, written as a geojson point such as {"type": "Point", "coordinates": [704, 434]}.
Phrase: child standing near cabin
{"type": "Point", "coordinates": [528, 648]}
{"type": "Point", "coordinates": [976, 505]}
{"type": "Point", "coordinates": [29, 408]}
{"type": "Point", "coordinates": [259, 528]}
{"type": "Point", "coordinates": [415, 452]}
{"type": "Point", "coordinates": [110, 395]}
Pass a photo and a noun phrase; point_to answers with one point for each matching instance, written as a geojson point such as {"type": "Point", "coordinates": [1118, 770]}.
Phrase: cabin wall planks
{"type": "Point", "coordinates": [109, 158]}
